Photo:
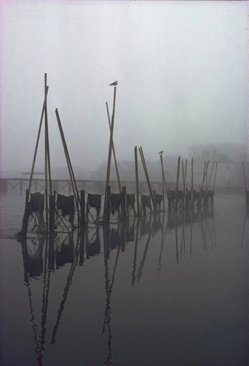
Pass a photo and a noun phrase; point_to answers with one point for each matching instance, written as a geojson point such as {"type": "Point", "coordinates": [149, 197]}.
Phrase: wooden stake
{"type": "Point", "coordinates": [37, 140]}
{"type": "Point", "coordinates": [47, 139]}
{"type": "Point", "coordinates": [244, 174]}
{"type": "Point", "coordinates": [203, 176]}
{"type": "Point", "coordinates": [192, 182]}
{"type": "Point", "coordinates": [113, 151]}
{"type": "Point", "coordinates": [46, 158]}
{"type": "Point", "coordinates": [210, 177]}
{"type": "Point", "coordinates": [177, 180]}
{"type": "Point", "coordinates": [69, 165]}
{"type": "Point", "coordinates": [137, 182]}
{"type": "Point", "coordinates": [123, 208]}
{"type": "Point", "coordinates": [206, 173]}
{"type": "Point", "coordinates": [82, 208]}
{"type": "Point", "coordinates": [147, 176]}
{"type": "Point", "coordinates": [110, 150]}
{"type": "Point", "coordinates": [163, 180]}
{"type": "Point", "coordinates": [215, 174]}
{"type": "Point", "coordinates": [111, 139]}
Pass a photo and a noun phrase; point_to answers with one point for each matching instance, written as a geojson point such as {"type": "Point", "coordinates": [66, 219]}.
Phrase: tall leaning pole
{"type": "Point", "coordinates": [107, 188]}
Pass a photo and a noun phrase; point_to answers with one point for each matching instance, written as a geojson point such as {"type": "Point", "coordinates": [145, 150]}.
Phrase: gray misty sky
{"type": "Point", "coordinates": [182, 69]}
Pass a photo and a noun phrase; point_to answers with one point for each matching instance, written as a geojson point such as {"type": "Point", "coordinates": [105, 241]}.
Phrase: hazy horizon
{"type": "Point", "coordinates": [182, 71]}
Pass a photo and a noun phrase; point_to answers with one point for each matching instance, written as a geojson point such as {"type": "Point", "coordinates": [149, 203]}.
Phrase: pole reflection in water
{"type": "Point", "coordinates": [135, 255]}
{"type": "Point", "coordinates": [30, 270]}
{"type": "Point", "coordinates": [53, 253]}
{"type": "Point", "coordinates": [244, 225]}
{"type": "Point", "coordinates": [163, 235]}
{"type": "Point", "coordinates": [117, 239]}
{"type": "Point", "coordinates": [142, 263]}
{"type": "Point", "coordinates": [68, 284]}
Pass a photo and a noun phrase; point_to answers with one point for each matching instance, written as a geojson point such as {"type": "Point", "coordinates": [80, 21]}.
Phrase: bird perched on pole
{"type": "Point", "coordinates": [114, 84]}
{"type": "Point", "coordinates": [160, 152]}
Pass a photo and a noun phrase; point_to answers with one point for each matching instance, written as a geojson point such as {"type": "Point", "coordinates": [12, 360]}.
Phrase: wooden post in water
{"type": "Point", "coordinates": [147, 177]}
{"type": "Point", "coordinates": [38, 138]}
{"type": "Point", "coordinates": [137, 181]}
{"type": "Point", "coordinates": [184, 173]}
{"type": "Point", "coordinates": [123, 208]}
{"type": "Point", "coordinates": [82, 208]}
{"type": "Point", "coordinates": [110, 154]}
{"type": "Point", "coordinates": [107, 205]}
{"type": "Point", "coordinates": [192, 182]}
{"type": "Point", "coordinates": [215, 175]}
{"type": "Point", "coordinates": [164, 185]}
{"type": "Point", "coordinates": [46, 157]}
{"type": "Point", "coordinates": [26, 215]}
{"type": "Point", "coordinates": [210, 177]}
{"type": "Point", "coordinates": [114, 154]}
{"type": "Point", "coordinates": [47, 138]}
{"type": "Point", "coordinates": [69, 164]}
{"type": "Point", "coordinates": [203, 176]}
{"type": "Point", "coordinates": [207, 174]}
{"type": "Point", "coordinates": [177, 180]}
{"type": "Point", "coordinates": [51, 212]}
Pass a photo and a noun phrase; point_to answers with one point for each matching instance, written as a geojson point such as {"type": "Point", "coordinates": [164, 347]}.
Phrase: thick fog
{"type": "Point", "coordinates": [182, 71]}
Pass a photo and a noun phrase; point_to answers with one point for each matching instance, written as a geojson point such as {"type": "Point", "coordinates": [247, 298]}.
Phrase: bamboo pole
{"type": "Point", "coordinates": [37, 140]}
{"type": "Point", "coordinates": [203, 176]}
{"type": "Point", "coordinates": [137, 182]}
{"type": "Point", "coordinates": [244, 174]}
{"type": "Point", "coordinates": [192, 181]}
{"type": "Point", "coordinates": [69, 165]}
{"type": "Point", "coordinates": [210, 177]}
{"type": "Point", "coordinates": [177, 180]}
{"type": "Point", "coordinates": [111, 139]}
{"type": "Point", "coordinates": [147, 176]}
{"type": "Point", "coordinates": [164, 179]}
{"type": "Point", "coordinates": [215, 175]}
{"type": "Point", "coordinates": [113, 151]}
{"type": "Point", "coordinates": [110, 151]}
{"type": "Point", "coordinates": [206, 173]}
{"type": "Point", "coordinates": [47, 139]}
{"type": "Point", "coordinates": [186, 165]}
{"type": "Point", "coordinates": [183, 177]}
{"type": "Point", "coordinates": [161, 159]}
{"type": "Point", "coordinates": [46, 157]}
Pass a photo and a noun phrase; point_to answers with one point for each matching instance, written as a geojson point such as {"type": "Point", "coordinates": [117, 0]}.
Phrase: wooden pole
{"type": "Point", "coordinates": [183, 177]}
{"type": "Point", "coordinates": [177, 180]}
{"type": "Point", "coordinates": [215, 174]}
{"type": "Point", "coordinates": [192, 182]}
{"type": "Point", "coordinates": [110, 150]}
{"type": "Point", "coordinates": [47, 139]}
{"type": "Point", "coordinates": [123, 210]}
{"type": "Point", "coordinates": [186, 165]}
{"type": "Point", "coordinates": [147, 176]}
{"type": "Point", "coordinates": [244, 174]}
{"type": "Point", "coordinates": [113, 151]}
{"type": "Point", "coordinates": [210, 175]}
{"type": "Point", "coordinates": [164, 184]}
{"type": "Point", "coordinates": [37, 140]}
{"type": "Point", "coordinates": [111, 139]}
{"type": "Point", "coordinates": [137, 182]}
{"type": "Point", "coordinates": [51, 212]}
{"type": "Point", "coordinates": [82, 208]}
{"type": "Point", "coordinates": [26, 215]}
{"type": "Point", "coordinates": [46, 158]}
{"type": "Point", "coordinates": [206, 173]}
{"type": "Point", "coordinates": [203, 176]}
{"type": "Point", "coordinates": [70, 168]}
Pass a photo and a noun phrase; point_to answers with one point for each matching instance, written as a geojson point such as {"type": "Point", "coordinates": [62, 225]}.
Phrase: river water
{"type": "Point", "coordinates": [174, 291]}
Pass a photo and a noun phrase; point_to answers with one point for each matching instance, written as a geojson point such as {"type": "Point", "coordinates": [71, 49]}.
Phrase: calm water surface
{"type": "Point", "coordinates": [169, 292]}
